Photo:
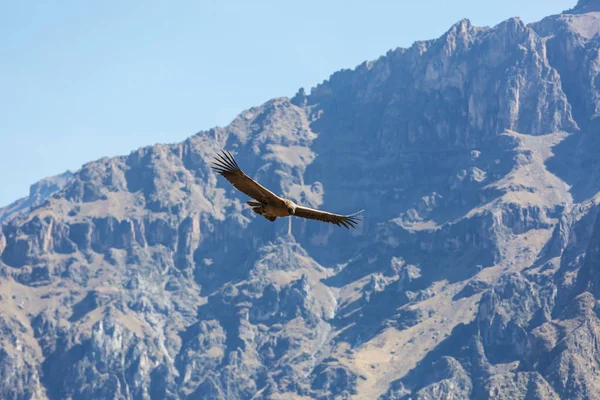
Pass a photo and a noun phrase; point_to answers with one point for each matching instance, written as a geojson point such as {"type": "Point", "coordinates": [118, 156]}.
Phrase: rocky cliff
{"type": "Point", "coordinates": [474, 274]}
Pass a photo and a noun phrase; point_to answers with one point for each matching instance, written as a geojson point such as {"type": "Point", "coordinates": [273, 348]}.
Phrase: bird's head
{"type": "Point", "coordinates": [291, 207]}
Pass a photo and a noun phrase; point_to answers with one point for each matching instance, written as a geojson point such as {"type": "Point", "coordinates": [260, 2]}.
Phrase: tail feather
{"type": "Point", "coordinates": [261, 211]}
{"type": "Point", "coordinates": [258, 210]}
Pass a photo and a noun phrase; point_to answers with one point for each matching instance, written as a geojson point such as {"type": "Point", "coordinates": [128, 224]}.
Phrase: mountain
{"type": "Point", "coordinates": [38, 193]}
{"type": "Point", "coordinates": [475, 273]}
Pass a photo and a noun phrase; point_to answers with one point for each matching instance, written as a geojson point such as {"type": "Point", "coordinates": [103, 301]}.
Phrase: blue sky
{"type": "Point", "coordinates": [80, 80]}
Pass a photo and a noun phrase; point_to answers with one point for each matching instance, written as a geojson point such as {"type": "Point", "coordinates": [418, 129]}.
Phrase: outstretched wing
{"type": "Point", "coordinates": [225, 164]}
{"type": "Point", "coordinates": [347, 221]}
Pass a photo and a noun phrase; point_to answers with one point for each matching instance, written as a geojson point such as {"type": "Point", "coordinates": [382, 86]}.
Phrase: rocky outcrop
{"type": "Point", "coordinates": [19, 368]}
{"type": "Point", "coordinates": [505, 313]}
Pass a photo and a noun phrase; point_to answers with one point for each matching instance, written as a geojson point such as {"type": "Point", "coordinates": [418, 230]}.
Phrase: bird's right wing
{"type": "Point", "coordinates": [225, 164]}
{"type": "Point", "coordinates": [347, 221]}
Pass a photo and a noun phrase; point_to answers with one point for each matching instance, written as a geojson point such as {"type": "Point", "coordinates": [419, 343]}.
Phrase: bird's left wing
{"type": "Point", "coordinates": [225, 164]}
{"type": "Point", "coordinates": [347, 221]}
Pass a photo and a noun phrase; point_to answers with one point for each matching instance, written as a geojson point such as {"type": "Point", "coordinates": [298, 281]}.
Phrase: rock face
{"type": "Point", "coordinates": [474, 275]}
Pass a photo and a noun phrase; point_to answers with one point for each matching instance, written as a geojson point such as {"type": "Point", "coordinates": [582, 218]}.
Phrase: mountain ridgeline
{"type": "Point", "coordinates": [474, 274]}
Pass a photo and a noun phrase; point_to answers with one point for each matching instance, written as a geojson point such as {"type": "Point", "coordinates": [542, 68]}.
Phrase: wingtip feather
{"type": "Point", "coordinates": [224, 162]}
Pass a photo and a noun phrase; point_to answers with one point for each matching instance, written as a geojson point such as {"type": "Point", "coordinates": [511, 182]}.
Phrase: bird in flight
{"type": "Point", "coordinates": [268, 204]}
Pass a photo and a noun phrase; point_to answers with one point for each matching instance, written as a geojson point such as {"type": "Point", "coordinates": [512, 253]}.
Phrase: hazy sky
{"type": "Point", "coordinates": [80, 80]}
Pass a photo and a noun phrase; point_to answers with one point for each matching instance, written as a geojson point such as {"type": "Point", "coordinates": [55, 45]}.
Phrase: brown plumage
{"type": "Point", "coordinates": [267, 203]}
